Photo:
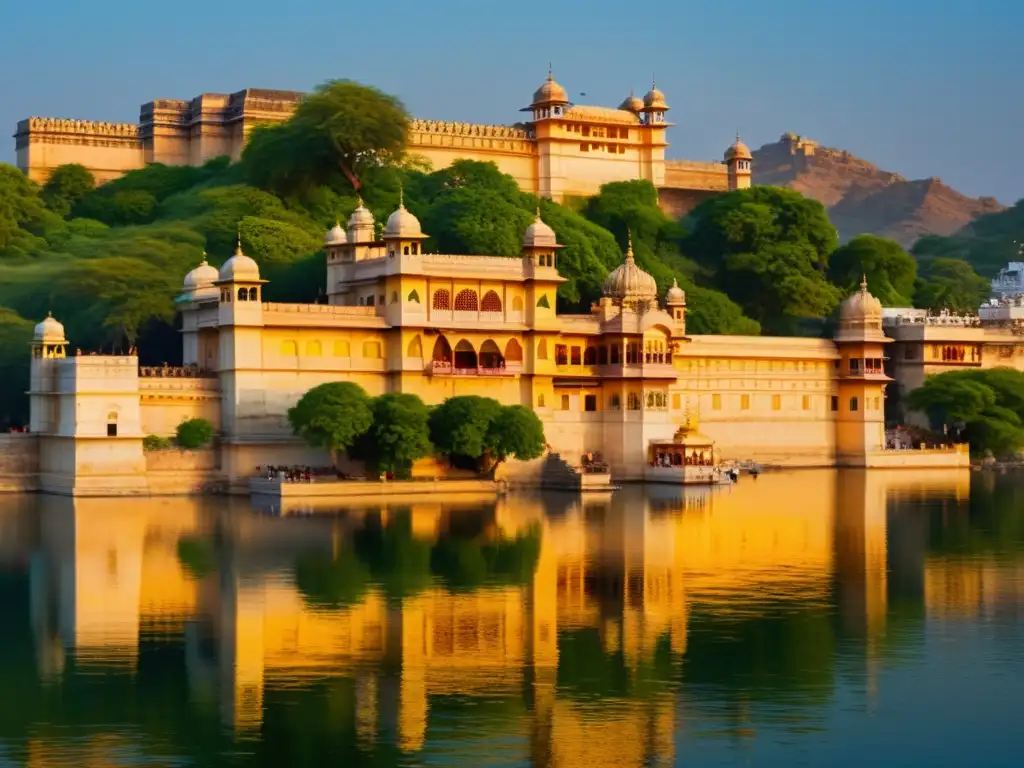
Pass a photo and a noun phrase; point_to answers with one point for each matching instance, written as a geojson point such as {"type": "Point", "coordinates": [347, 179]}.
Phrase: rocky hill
{"type": "Point", "coordinates": [862, 198]}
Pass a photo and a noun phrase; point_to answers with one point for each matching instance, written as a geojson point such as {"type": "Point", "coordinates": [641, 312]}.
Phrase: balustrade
{"type": "Point", "coordinates": [175, 372]}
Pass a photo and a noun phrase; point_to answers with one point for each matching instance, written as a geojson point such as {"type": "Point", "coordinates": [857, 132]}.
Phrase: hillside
{"type": "Point", "coordinates": [862, 198]}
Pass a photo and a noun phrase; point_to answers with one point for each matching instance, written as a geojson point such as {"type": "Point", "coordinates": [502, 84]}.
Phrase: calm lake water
{"type": "Point", "coordinates": [806, 618]}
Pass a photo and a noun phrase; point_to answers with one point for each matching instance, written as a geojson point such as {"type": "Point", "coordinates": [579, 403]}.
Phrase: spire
{"type": "Point", "coordinates": [863, 283]}
{"type": "Point", "coordinates": [238, 244]}
{"type": "Point", "coordinates": [551, 74]}
{"type": "Point", "coordinates": [401, 196]}
{"type": "Point", "coordinates": [629, 247]}
{"type": "Point", "coordinates": [203, 263]}
{"type": "Point", "coordinates": [538, 212]}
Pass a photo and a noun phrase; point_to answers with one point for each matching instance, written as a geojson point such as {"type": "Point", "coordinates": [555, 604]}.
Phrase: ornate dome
{"type": "Point", "coordinates": [550, 93]}
{"type": "Point", "coordinates": [631, 103]}
{"type": "Point", "coordinates": [629, 283]}
{"type": "Point", "coordinates": [654, 99]}
{"type": "Point", "coordinates": [675, 294]}
{"type": "Point", "coordinates": [539, 235]}
{"type": "Point", "coordinates": [861, 307]}
{"type": "Point", "coordinates": [49, 330]}
{"type": "Point", "coordinates": [401, 223]}
{"type": "Point", "coordinates": [361, 216]}
{"type": "Point", "coordinates": [738, 151]}
{"type": "Point", "coordinates": [336, 235]}
{"type": "Point", "coordinates": [239, 267]}
{"type": "Point", "coordinates": [202, 276]}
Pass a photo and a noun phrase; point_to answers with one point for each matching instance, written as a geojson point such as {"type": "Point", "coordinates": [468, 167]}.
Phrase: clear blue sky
{"type": "Point", "coordinates": [922, 88]}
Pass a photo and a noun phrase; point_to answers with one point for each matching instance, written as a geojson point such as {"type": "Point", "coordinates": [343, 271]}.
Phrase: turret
{"type": "Point", "coordinates": [48, 347]}
{"type": "Point", "coordinates": [655, 107]}
{"type": "Point", "coordinates": [402, 233]}
{"type": "Point", "coordinates": [540, 244]}
{"type": "Point", "coordinates": [738, 160]}
{"type": "Point", "coordinates": [240, 288]}
{"type": "Point", "coordinates": [675, 303]}
{"type": "Point", "coordinates": [550, 100]}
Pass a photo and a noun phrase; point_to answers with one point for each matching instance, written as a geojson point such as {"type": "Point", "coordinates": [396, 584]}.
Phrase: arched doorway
{"type": "Point", "coordinates": [490, 355]}
{"type": "Point", "coordinates": [442, 355]}
{"type": "Point", "coordinates": [465, 355]}
{"type": "Point", "coordinates": [513, 352]}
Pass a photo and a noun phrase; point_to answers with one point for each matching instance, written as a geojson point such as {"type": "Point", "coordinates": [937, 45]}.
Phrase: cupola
{"type": "Point", "coordinates": [628, 283]}
{"type": "Point", "coordinates": [335, 236]}
{"type": "Point", "coordinates": [49, 331]}
{"type": "Point", "coordinates": [738, 151]}
{"type": "Point", "coordinates": [539, 234]}
{"type": "Point", "coordinates": [632, 103]}
{"type": "Point", "coordinates": [402, 225]}
{"type": "Point", "coordinates": [675, 295]}
{"type": "Point", "coordinates": [239, 267]}
{"type": "Point", "coordinates": [361, 225]}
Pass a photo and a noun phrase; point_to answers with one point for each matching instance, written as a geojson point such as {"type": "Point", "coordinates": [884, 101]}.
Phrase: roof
{"type": "Point", "coordinates": [601, 114]}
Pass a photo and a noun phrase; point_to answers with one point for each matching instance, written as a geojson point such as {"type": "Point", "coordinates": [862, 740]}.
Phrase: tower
{"type": "Point", "coordinates": [653, 121]}
{"type": "Point", "coordinates": [344, 249]}
{"type": "Point", "coordinates": [859, 403]}
{"type": "Point", "coordinates": [548, 108]}
{"type": "Point", "coordinates": [48, 347]}
{"type": "Point", "coordinates": [738, 159]}
{"type": "Point", "coordinates": [675, 303]}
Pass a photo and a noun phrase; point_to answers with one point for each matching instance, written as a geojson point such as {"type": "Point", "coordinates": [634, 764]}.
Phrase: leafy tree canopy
{"type": "Point", "coordinates": [398, 435]}
{"type": "Point", "coordinates": [890, 270]}
{"type": "Point", "coordinates": [518, 433]}
{"type": "Point", "coordinates": [461, 426]}
{"type": "Point", "coordinates": [66, 187]}
{"type": "Point", "coordinates": [332, 416]}
{"type": "Point", "coordinates": [194, 433]}
{"type": "Point", "coordinates": [951, 284]}
{"type": "Point", "coordinates": [15, 337]}
{"type": "Point", "coordinates": [987, 243]}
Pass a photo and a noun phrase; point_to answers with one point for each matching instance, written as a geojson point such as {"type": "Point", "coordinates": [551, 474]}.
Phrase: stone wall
{"type": "Point", "coordinates": [19, 462]}
{"type": "Point", "coordinates": [178, 460]}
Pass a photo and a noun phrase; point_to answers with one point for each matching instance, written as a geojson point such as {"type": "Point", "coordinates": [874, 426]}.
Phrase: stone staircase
{"type": "Point", "coordinates": [559, 474]}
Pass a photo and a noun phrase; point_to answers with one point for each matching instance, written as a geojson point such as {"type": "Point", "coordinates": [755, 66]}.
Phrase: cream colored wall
{"type": "Point", "coordinates": [42, 155]}
{"type": "Point", "coordinates": [522, 166]}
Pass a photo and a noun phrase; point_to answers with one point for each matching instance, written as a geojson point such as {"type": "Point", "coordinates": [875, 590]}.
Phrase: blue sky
{"type": "Point", "coordinates": [919, 88]}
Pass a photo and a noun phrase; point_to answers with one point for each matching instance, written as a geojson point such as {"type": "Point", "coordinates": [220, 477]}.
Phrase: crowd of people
{"type": "Point", "coordinates": [297, 474]}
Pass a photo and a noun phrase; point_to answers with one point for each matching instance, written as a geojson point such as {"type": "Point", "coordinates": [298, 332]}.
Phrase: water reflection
{"type": "Point", "coordinates": [630, 629]}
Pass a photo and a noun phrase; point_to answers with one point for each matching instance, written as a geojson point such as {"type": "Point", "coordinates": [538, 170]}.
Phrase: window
{"type": "Point", "coordinates": [565, 402]}
{"type": "Point", "coordinates": [676, 402]}
{"type": "Point", "coordinates": [253, 294]}
{"type": "Point", "coordinates": [540, 400]}
{"type": "Point", "coordinates": [289, 348]}
{"type": "Point", "coordinates": [371, 301]}
{"type": "Point", "coordinates": [414, 298]}
{"type": "Point", "coordinates": [543, 302]}
{"type": "Point", "coordinates": [602, 355]}
{"type": "Point", "coordinates": [835, 403]}
{"type": "Point", "coordinates": [405, 251]}
{"type": "Point", "coordinates": [776, 402]}
{"type": "Point", "coordinates": [394, 297]}
{"type": "Point", "coordinates": [371, 350]}
{"type": "Point", "coordinates": [342, 349]}
{"type": "Point", "coordinates": [243, 294]}
{"type": "Point", "coordinates": [614, 354]}
{"type": "Point", "coordinates": [853, 404]}
{"type": "Point", "coordinates": [112, 424]}
{"type": "Point", "coordinates": [590, 356]}
{"type": "Point", "coordinates": [415, 348]}
{"type": "Point", "coordinates": [577, 356]}
{"type": "Point", "coordinates": [561, 354]}
{"type": "Point", "coordinates": [744, 402]}
{"type": "Point", "coordinates": [633, 401]}
{"type": "Point", "coordinates": [314, 348]}
{"type": "Point", "coordinates": [415, 249]}
{"type": "Point", "coordinates": [590, 403]}
{"type": "Point", "coordinates": [491, 302]}
{"type": "Point", "coordinates": [716, 402]}
{"type": "Point", "coordinates": [584, 146]}
{"type": "Point", "coordinates": [855, 365]}
{"type": "Point", "coordinates": [442, 300]}
{"type": "Point", "coordinates": [614, 402]}
{"type": "Point", "coordinates": [542, 349]}
{"type": "Point", "coordinates": [806, 402]}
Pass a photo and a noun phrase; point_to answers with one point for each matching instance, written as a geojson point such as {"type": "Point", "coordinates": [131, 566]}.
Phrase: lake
{"type": "Point", "coordinates": [799, 618]}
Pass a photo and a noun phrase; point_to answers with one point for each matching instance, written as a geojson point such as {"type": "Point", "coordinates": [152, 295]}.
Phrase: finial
{"type": "Point", "coordinates": [551, 75]}
{"type": "Point", "coordinates": [359, 201]}
{"type": "Point", "coordinates": [675, 283]}
{"type": "Point", "coordinates": [49, 314]}
{"type": "Point", "coordinates": [629, 247]}
{"type": "Point", "coordinates": [654, 82]}
{"type": "Point", "coordinates": [401, 196]}
{"type": "Point", "coordinates": [538, 212]}
{"type": "Point", "coordinates": [238, 244]}
{"type": "Point", "coordinates": [863, 283]}
{"type": "Point", "coordinates": [737, 136]}
{"type": "Point", "coordinates": [203, 262]}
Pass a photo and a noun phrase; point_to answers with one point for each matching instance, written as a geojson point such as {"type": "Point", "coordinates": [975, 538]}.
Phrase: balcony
{"type": "Point", "coordinates": [654, 366]}
{"type": "Point", "coordinates": [442, 368]}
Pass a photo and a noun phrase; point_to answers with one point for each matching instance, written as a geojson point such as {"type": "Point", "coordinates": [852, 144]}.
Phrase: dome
{"type": "Point", "coordinates": [675, 294]}
{"type": "Point", "coordinates": [738, 151]}
{"type": "Point", "coordinates": [861, 307]}
{"type": "Point", "coordinates": [336, 235]}
{"type": "Point", "coordinates": [628, 282]}
{"type": "Point", "coordinates": [550, 92]}
{"type": "Point", "coordinates": [655, 99]}
{"type": "Point", "coordinates": [401, 223]}
{"type": "Point", "coordinates": [201, 277]}
{"type": "Point", "coordinates": [239, 267]}
{"type": "Point", "coordinates": [49, 330]}
{"type": "Point", "coordinates": [361, 216]}
{"type": "Point", "coordinates": [631, 103]}
{"type": "Point", "coordinates": [539, 235]}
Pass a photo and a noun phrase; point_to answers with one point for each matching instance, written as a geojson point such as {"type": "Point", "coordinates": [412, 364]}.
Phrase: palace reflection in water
{"type": "Point", "coordinates": [627, 629]}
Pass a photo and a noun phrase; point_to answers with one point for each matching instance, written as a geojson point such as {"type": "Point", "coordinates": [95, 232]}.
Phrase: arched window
{"type": "Point", "coordinates": [490, 356]}
{"type": "Point", "coordinates": [112, 424]}
{"type": "Point", "coordinates": [517, 304]}
{"type": "Point", "coordinates": [542, 349]}
{"type": "Point", "coordinates": [853, 403]}
{"type": "Point", "coordinates": [415, 347]}
{"type": "Point", "coordinates": [490, 302]}
{"type": "Point", "coordinates": [243, 294]}
{"type": "Point", "coordinates": [442, 299]}
{"type": "Point", "coordinates": [615, 403]}
{"type": "Point", "coordinates": [513, 352]}
{"type": "Point", "coordinates": [465, 355]}
{"type": "Point", "coordinates": [590, 356]}
{"type": "Point", "coordinates": [602, 355]}
{"type": "Point", "coordinates": [414, 298]}
{"type": "Point", "coordinates": [540, 400]}
{"type": "Point", "coordinates": [314, 349]}
{"type": "Point", "coordinates": [405, 251]}
{"type": "Point", "coordinates": [442, 351]}
{"type": "Point", "coordinates": [370, 301]}
{"type": "Point", "coordinates": [253, 294]}
{"type": "Point", "coordinates": [362, 301]}
{"type": "Point", "coordinates": [289, 348]}
{"type": "Point", "coordinates": [543, 302]}
{"type": "Point", "coordinates": [465, 301]}
{"type": "Point", "coordinates": [342, 349]}
{"type": "Point", "coordinates": [371, 350]}
{"type": "Point", "coordinates": [415, 248]}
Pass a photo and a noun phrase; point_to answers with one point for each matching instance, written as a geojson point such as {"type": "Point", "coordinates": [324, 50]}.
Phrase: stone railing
{"type": "Point", "coordinates": [443, 368]}
{"type": "Point", "coordinates": [174, 372]}
{"type": "Point", "coordinates": [955, 321]}
{"type": "Point", "coordinates": [469, 129]}
{"type": "Point", "coordinates": [322, 309]}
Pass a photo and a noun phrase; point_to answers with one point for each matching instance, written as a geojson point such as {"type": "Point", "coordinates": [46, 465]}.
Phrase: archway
{"type": "Point", "coordinates": [465, 301]}
{"type": "Point", "coordinates": [415, 347]}
{"type": "Point", "coordinates": [442, 351]}
{"type": "Point", "coordinates": [465, 355]}
{"type": "Point", "coordinates": [490, 355]}
{"type": "Point", "coordinates": [490, 302]}
{"type": "Point", "coordinates": [513, 352]}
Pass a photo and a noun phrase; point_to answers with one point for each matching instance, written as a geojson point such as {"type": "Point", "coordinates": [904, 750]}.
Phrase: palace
{"type": "Point", "coordinates": [563, 150]}
{"type": "Point", "coordinates": [623, 380]}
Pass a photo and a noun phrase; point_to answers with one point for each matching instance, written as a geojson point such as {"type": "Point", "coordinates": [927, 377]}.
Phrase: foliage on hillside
{"type": "Point", "coordinates": [987, 243]}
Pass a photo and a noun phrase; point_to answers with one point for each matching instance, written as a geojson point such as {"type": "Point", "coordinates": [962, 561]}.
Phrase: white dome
{"type": "Point", "coordinates": [401, 223]}
{"type": "Point", "coordinates": [675, 294]}
{"type": "Point", "coordinates": [861, 306]}
{"type": "Point", "coordinates": [201, 277]}
{"type": "Point", "coordinates": [629, 283]}
{"type": "Point", "coordinates": [539, 235]}
{"type": "Point", "coordinates": [49, 330]}
{"type": "Point", "coordinates": [654, 99]}
{"type": "Point", "coordinates": [361, 216]}
{"type": "Point", "coordinates": [335, 235]}
{"type": "Point", "coordinates": [239, 267]}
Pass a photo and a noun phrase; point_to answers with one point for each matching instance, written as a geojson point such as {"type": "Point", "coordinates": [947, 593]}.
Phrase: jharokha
{"type": "Point", "coordinates": [625, 379]}
{"type": "Point", "coordinates": [563, 150]}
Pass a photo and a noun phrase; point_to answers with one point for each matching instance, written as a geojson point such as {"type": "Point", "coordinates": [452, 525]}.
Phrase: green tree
{"type": "Point", "coordinates": [891, 271]}
{"type": "Point", "coordinates": [66, 187]}
{"type": "Point", "coordinates": [516, 432]}
{"type": "Point", "coordinates": [332, 416]}
{"type": "Point", "coordinates": [194, 433]}
{"type": "Point", "coordinates": [461, 427]}
{"type": "Point", "coordinates": [398, 435]}
{"type": "Point", "coordinates": [342, 126]}
{"type": "Point", "coordinates": [987, 243]}
{"type": "Point", "coordinates": [26, 225]}
{"type": "Point", "coordinates": [15, 337]}
{"type": "Point", "coordinates": [951, 284]}
{"type": "Point", "coordinates": [767, 248]}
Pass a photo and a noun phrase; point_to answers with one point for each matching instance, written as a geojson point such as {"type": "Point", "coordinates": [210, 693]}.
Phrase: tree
{"type": "Point", "coordinates": [890, 270]}
{"type": "Point", "coordinates": [342, 126]}
{"type": "Point", "coordinates": [194, 433]}
{"type": "Point", "coordinates": [516, 432]}
{"type": "Point", "coordinates": [66, 187]}
{"type": "Point", "coordinates": [15, 337]}
{"type": "Point", "coordinates": [461, 426]}
{"type": "Point", "coordinates": [767, 248]}
{"type": "Point", "coordinates": [398, 435]}
{"type": "Point", "coordinates": [951, 284]}
{"type": "Point", "coordinates": [332, 416]}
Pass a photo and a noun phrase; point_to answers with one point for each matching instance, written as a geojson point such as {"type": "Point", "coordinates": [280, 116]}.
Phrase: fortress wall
{"type": "Point", "coordinates": [166, 402]}
{"type": "Point", "coordinates": [19, 462]}
{"type": "Point", "coordinates": [676, 203]}
{"type": "Point", "coordinates": [177, 460]}
{"type": "Point", "coordinates": [108, 150]}
{"type": "Point", "coordinates": [511, 149]}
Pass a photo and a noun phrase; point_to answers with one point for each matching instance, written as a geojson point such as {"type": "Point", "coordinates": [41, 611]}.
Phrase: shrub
{"type": "Point", "coordinates": [194, 433]}
{"type": "Point", "coordinates": [155, 443]}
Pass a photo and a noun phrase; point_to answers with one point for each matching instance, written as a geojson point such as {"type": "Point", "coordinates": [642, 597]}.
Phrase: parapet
{"type": "Point", "coordinates": [468, 129]}
{"type": "Point", "coordinates": [58, 125]}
